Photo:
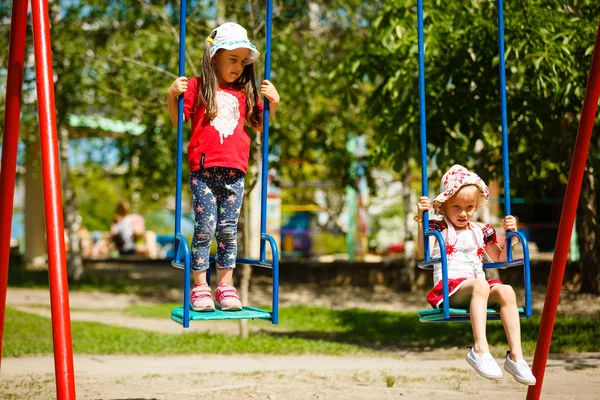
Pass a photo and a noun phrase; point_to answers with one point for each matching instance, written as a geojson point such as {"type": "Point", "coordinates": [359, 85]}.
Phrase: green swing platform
{"type": "Point", "coordinates": [459, 314]}
{"type": "Point", "coordinates": [177, 314]}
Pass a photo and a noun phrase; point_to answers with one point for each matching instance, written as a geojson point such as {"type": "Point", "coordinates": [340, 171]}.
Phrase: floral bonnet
{"type": "Point", "coordinates": [456, 178]}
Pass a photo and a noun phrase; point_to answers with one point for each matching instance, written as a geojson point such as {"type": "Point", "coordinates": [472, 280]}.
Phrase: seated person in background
{"type": "Point", "coordinates": [122, 232]}
{"type": "Point", "coordinates": [129, 232]}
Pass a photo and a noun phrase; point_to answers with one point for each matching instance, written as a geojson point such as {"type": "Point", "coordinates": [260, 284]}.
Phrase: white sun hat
{"type": "Point", "coordinates": [231, 36]}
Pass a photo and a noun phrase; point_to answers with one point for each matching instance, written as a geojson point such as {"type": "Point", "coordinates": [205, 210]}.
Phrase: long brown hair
{"type": "Point", "coordinates": [209, 84]}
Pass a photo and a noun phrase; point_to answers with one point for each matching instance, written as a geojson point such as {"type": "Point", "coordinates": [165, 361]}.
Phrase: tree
{"type": "Point", "coordinates": [548, 52]}
{"type": "Point", "coordinates": [313, 124]}
{"type": "Point", "coordinates": [309, 133]}
{"type": "Point", "coordinates": [104, 56]}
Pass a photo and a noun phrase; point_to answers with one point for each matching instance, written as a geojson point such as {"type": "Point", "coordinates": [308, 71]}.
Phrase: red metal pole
{"type": "Point", "coordinates": [10, 141]}
{"type": "Point", "coordinates": [57, 271]}
{"type": "Point", "coordinates": [567, 220]}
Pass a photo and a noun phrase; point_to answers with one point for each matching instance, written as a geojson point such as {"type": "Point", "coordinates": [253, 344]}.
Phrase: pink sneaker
{"type": "Point", "coordinates": [201, 298]}
{"type": "Point", "coordinates": [227, 298]}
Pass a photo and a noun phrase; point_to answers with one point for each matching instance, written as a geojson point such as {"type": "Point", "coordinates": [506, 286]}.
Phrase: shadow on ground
{"type": "Point", "coordinates": [385, 331]}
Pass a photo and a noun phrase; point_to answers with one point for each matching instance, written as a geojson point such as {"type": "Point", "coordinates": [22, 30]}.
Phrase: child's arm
{"type": "Point", "coordinates": [423, 205]}
{"type": "Point", "coordinates": [179, 86]}
{"type": "Point", "coordinates": [268, 90]}
{"type": "Point", "coordinates": [495, 252]}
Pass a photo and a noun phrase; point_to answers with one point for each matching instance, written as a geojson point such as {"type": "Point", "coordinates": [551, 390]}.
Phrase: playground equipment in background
{"type": "Point", "coordinates": [446, 313]}
{"type": "Point", "coordinates": [296, 235]}
{"type": "Point", "coordinates": [183, 315]}
{"type": "Point", "coordinates": [308, 231]}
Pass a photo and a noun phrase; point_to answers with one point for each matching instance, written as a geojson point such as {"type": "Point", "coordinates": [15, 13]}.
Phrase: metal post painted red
{"type": "Point", "coordinates": [10, 140]}
{"type": "Point", "coordinates": [567, 220]}
{"type": "Point", "coordinates": [57, 271]}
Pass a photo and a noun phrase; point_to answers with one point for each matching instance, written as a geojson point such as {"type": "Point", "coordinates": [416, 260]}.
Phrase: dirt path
{"type": "Point", "coordinates": [437, 374]}
{"type": "Point", "coordinates": [290, 378]}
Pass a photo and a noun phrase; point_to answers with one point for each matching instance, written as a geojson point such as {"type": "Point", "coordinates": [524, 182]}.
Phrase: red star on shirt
{"type": "Point", "coordinates": [480, 253]}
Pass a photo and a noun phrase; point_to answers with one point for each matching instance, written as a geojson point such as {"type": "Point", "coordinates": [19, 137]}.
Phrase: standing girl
{"type": "Point", "coordinates": [219, 102]}
{"type": "Point", "coordinates": [462, 194]}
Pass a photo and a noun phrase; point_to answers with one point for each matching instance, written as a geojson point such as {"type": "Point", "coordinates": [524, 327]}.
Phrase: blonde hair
{"type": "Point", "coordinates": [481, 202]}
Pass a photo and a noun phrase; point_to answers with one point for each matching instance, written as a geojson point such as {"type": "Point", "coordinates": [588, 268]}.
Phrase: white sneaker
{"type": "Point", "coordinates": [484, 365]}
{"type": "Point", "coordinates": [519, 370]}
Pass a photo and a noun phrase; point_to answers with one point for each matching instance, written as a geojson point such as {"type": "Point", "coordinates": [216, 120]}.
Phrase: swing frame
{"type": "Point", "coordinates": [181, 259]}
{"type": "Point", "coordinates": [446, 313]}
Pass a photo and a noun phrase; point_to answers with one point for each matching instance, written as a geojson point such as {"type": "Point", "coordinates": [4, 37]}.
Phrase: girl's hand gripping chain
{"type": "Point", "coordinates": [268, 90]}
{"type": "Point", "coordinates": [179, 86]}
{"type": "Point", "coordinates": [509, 223]}
{"type": "Point", "coordinates": [423, 205]}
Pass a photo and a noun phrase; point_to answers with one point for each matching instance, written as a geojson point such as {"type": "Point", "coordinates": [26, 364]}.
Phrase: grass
{"type": "Point", "coordinates": [28, 334]}
{"type": "Point", "coordinates": [302, 330]}
{"type": "Point", "coordinates": [390, 380]}
{"type": "Point", "coordinates": [34, 387]}
{"type": "Point", "coordinates": [381, 330]}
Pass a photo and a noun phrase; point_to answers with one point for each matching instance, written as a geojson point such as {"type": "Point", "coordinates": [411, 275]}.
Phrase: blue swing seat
{"type": "Point", "coordinates": [458, 314]}
{"type": "Point", "coordinates": [428, 265]}
{"type": "Point", "coordinates": [183, 315]}
{"type": "Point", "coordinates": [446, 313]}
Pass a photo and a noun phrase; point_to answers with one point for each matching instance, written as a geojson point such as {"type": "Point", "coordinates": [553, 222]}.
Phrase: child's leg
{"type": "Point", "coordinates": [229, 205]}
{"type": "Point", "coordinates": [474, 293]}
{"type": "Point", "coordinates": [509, 312]}
{"type": "Point", "coordinates": [205, 208]}
{"type": "Point", "coordinates": [199, 277]}
{"type": "Point", "coordinates": [226, 276]}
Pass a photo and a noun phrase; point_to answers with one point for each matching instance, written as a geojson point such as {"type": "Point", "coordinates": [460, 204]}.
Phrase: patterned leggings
{"type": "Point", "coordinates": [217, 195]}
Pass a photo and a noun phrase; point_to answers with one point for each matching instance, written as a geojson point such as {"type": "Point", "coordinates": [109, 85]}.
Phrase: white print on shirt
{"type": "Point", "coordinates": [228, 114]}
{"type": "Point", "coordinates": [464, 261]}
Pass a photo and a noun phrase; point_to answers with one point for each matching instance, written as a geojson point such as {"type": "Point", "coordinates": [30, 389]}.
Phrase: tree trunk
{"type": "Point", "coordinates": [243, 227]}
{"type": "Point", "coordinates": [35, 219]}
{"type": "Point", "coordinates": [221, 12]}
{"type": "Point", "coordinates": [409, 202]}
{"type": "Point", "coordinates": [587, 232]}
{"type": "Point", "coordinates": [71, 216]}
